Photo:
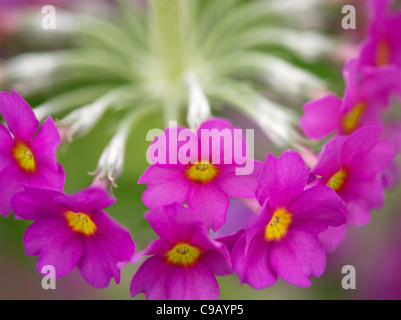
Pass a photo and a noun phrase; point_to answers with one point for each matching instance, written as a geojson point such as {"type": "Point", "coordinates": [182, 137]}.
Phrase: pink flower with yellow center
{"type": "Point", "coordinates": [283, 240]}
{"type": "Point", "coordinates": [199, 181]}
{"type": "Point", "coordinates": [367, 96]}
{"type": "Point", "coordinates": [383, 46]}
{"type": "Point", "coordinates": [27, 152]}
{"type": "Point", "coordinates": [351, 166]}
{"type": "Point", "coordinates": [73, 230]}
{"type": "Point", "coordinates": [184, 259]}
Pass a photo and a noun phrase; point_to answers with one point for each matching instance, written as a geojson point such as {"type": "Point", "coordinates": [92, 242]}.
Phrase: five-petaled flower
{"type": "Point", "coordinates": [73, 230]}
{"type": "Point", "coordinates": [201, 182]}
{"type": "Point", "coordinates": [283, 241]}
{"type": "Point", "coordinates": [184, 259]}
{"type": "Point", "coordinates": [27, 156]}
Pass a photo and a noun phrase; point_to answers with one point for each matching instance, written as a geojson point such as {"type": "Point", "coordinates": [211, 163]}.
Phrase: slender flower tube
{"type": "Point", "coordinates": [27, 151]}
{"type": "Point", "coordinates": [73, 230]}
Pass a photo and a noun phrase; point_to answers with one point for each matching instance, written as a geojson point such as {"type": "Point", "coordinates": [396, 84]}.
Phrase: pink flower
{"type": "Point", "coordinates": [383, 46]}
{"type": "Point", "coordinates": [184, 259]}
{"type": "Point", "coordinates": [198, 180]}
{"type": "Point", "coordinates": [27, 152]}
{"type": "Point", "coordinates": [73, 230]}
{"type": "Point", "coordinates": [366, 97]}
{"type": "Point", "coordinates": [351, 166]}
{"type": "Point", "coordinates": [283, 241]}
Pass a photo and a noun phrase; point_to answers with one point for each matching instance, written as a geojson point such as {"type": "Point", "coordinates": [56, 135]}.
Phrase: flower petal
{"type": "Point", "coordinates": [238, 186]}
{"type": "Point", "coordinates": [6, 144]}
{"type": "Point", "coordinates": [118, 239]}
{"type": "Point", "coordinates": [282, 179]}
{"type": "Point", "coordinates": [18, 115]}
{"type": "Point", "coordinates": [194, 283]}
{"type": "Point", "coordinates": [173, 222]}
{"type": "Point", "coordinates": [11, 178]}
{"type": "Point", "coordinates": [36, 203]}
{"type": "Point", "coordinates": [321, 116]}
{"type": "Point", "coordinates": [317, 208]}
{"type": "Point", "coordinates": [97, 266]}
{"type": "Point", "coordinates": [252, 262]}
{"type": "Point", "coordinates": [151, 279]}
{"type": "Point", "coordinates": [85, 201]}
{"type": "Point", "coordinates": [54, 243]}
{"type": "Point", "coordinates": [164, 186]}
{"type": "Point", "coordinates": [329, 162]}
{"type": "Point", "coordinates": [44, 145]}
{"type": "Point", "coordinates": [297, 256]}
{"type": "Point", "coordinates": [210, 203]}
{"type": "Point", "coordinates": [364, 155]}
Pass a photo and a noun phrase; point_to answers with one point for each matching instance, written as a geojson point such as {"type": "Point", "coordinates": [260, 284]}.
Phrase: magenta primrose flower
{"type": "Point", "coordinates": [73, 230]}
{"type": "Point", "coordinates": [366, 97]}
{"type": "Point", "coordinates": [196, 170]}
{"type": "Point", "coordinates": [283, 241]}
{"type": "Point", "coordinates": [352, 166]}
{"type": "Point", "coordinates": [383, 46]}
{"type": "Point", "coordinates": [27, 155]}
{"type": "Point", "coordinates": [184, 259]}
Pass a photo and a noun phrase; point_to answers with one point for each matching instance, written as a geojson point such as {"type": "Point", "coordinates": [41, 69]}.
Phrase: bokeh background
{"type": "Point", "coordinates": [374, 250]}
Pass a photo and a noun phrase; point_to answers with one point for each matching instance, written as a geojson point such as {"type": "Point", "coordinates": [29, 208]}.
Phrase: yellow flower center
{"type": "Point", "coordinates": [382, 54]}
{"type": "Point", "coordinates": [337, 181]}
{"type": "Point", "coordinates": [81, 223]}
{"type": "Point", "coordinates": [183, 254]}
{"type": "Point", "coordinates": [352, 119]}
{"type": "Point", "coordinates": [201, 172]}
{"type": "Point", "coordinates": [24, 157]}
{"type": "Point", "coordinates": [278, 225]}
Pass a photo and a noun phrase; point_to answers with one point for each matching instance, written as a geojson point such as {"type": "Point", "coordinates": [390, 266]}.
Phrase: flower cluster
{"type": "Point", "coordinates": [301, 205]}
{"type": "Point", "coordinates": [68, 230]}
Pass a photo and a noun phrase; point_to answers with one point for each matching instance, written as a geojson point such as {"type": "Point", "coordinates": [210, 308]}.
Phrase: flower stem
{"type": "Point", "coordinates": [170, 24]}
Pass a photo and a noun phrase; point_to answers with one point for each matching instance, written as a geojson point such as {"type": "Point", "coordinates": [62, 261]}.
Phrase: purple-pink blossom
{"type": "Point", "coordinates": [194, 170]}
{"type": "Point", "coordinates": [185, 260]}
{"type": "Point", "coordinates": [73, 230]}
{"type": "Point", "coordinates": [27, 151]}
{"type": "Point", "coordinates": [352, 166]}
{"type": "Point", "coordinates": [383, 45]}
{"type": "Point", "coordinates": [367, 96]}
{"type": "Point", "coordinates": [283, 241]}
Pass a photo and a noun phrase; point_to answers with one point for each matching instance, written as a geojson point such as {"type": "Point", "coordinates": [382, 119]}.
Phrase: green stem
{"type": "Point", "coordinates": [170, 25]}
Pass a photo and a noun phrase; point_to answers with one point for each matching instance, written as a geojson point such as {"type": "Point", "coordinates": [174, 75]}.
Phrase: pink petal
{"type": "Point", "coordinates": [35, 204]}
{"type": "Point", "coordinates": [164, 186]}
{"type": "Point", "coordinates": [193, 283]}
{"type": "Point", "coordinates": [238, 186]}
{"type": "Point", "coordinates": [118, 239]}
{"type": "Point", "coordinates": [6, 144]}
{"type": "Point", "coordinates": [321, 116]}
{"type": "Point", "coordinates": [44, 145]}
{"type": "Point", "coordinates": [282, 179]}
{"type": "Point", "coordinates": [54, 243]}
{"type": "Point", "coordinates": [252, 262]}
{"type": "Point", "coordinates": [151, 279]}
{"type": "Point", "coordinates": [297, 256]}
{"type": "Point", "coordinates": [18, 115]}
{"type": "Point", "coordinates": [210, 203]}
{"type": "Point", "coordinates": [97, 265]}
